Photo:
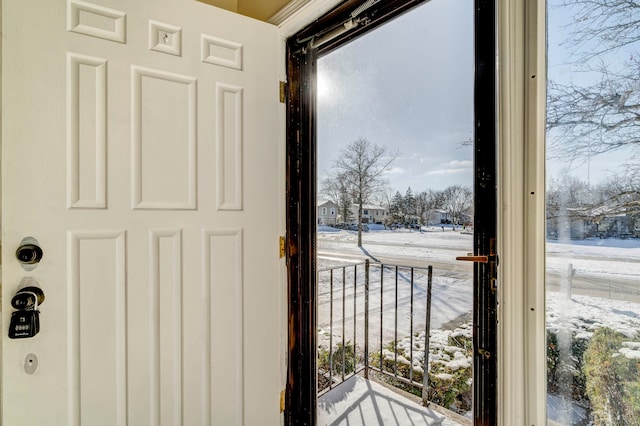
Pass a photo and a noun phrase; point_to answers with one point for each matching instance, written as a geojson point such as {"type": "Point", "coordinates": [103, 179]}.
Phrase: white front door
{"type": "Point", "coordinates": [142, 149]}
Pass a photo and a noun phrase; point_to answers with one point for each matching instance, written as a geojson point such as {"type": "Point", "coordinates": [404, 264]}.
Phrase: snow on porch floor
{"type": "Point", "coordinates": [364, 402]}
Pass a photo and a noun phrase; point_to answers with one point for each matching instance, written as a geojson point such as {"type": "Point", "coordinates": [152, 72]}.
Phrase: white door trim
{"type": "Point", "coordinates": [521, 126]}
{"type": "Point", "coordinates": [299, 13]}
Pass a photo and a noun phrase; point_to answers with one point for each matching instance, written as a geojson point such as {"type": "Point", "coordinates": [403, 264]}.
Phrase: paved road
{"type": "Point", "coordinates": [330, 258]}
{"type": "Point", "coordinates": [610, 287]}
{"type": "Point", "coordinates": [451, 297]}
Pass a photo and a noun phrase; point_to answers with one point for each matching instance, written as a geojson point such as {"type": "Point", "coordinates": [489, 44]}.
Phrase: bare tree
{"type": "Point", "coordinates": [599, 111]}
{"type": "Point", "coordinates": [362, 165]}
{"type": "Point", "coordinates": [426, 203]}
{"type": "Point", "coordinates": [600, 114]}
{"type": "Point", "coordinates": [335, 189]}
{"type": "Point", "coordinates": [621, 196]}
{"type": "Point", "coordinates": [572, 200]}
{"type": "Point", "coordinates": [568, 192]}
{"type": "Point", "coordinates": [457, 201]}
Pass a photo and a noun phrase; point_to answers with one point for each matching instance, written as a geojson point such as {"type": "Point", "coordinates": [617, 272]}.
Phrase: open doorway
{"type": "Point", "coordinates": [394, 210]}
{"type": "Point", "coordinates": [431, 110]}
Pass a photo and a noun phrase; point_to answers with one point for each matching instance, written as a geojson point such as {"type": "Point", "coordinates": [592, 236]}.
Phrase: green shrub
{"type": "Point", "coordinates": [402, 369]}
{"type": "Point", "coordinates": [611, 380]}
{"type": "Point", "coordinates": [335, 359]}
{"type": "Point", "coordinates": [459, 340]}
{"type": "Point", "coordinates": [450, 389]}
{"type": "Point", "coordinates": [566, 369]}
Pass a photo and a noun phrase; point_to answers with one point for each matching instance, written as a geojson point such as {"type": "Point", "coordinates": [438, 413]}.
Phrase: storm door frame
{"type": "Point", "coordinates": [302, 52]}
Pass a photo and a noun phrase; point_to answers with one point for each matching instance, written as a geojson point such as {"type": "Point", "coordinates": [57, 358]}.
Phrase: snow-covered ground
{"type": "Point", "coordinates": [601, 262]}
{"type": "Point", "coordinates": [606, 289]}
{"type": "Point", "coordinates": [431, 244]}
{"type": "Point", "coordinates": [359, 402]}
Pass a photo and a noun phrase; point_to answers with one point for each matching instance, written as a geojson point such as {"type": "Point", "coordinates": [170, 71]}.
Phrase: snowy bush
{"type": "Point", "coordinates": [450, 375]}
{"type": "Point", "coordinates": [612, 379]}
{"type": "Point", "coordinates": [564, 372]}
{"type": "Point", "coordinates": [331, 364]}
{"type": "Point", "coordinates": [450, 366]}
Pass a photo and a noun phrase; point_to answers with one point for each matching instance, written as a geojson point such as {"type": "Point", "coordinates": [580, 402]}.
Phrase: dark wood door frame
{"type": "Point", "coordinates": [485, 300]}
{"type": "Point", "coordinates": [303, 50]}
{"type": "Point", "coordinates": [300, 396]}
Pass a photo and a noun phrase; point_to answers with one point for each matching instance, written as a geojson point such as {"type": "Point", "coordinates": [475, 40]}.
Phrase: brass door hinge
{"type": "Point", "coordinates": [282, 399]}
{"type": "Point", "coordinates": [283, 247]}
{"type": "Point", "coordinates": [283, 92]}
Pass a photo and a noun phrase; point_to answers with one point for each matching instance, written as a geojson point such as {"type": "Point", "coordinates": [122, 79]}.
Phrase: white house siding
{"type": "Point", "coordinates": [370, 213]}
{"type": "Point", "coordinates": [327, 213]}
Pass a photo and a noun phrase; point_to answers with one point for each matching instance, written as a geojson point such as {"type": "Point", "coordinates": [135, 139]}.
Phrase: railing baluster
{"type": "Point", "coordinates": [344, 299]}
{"type": "Point", "coordinates": [366, 319]}
{"type": "Point", "coordinates": [395, 331]}
{"type": "Point", "coordinates": [395, 372]}
{"type": "Point", "coordinates": [427, 334]}
{"type": "Point", "coordinates": [411, 331]}
{"type": "Point", "coordinates": [355, 339]}
{"type": "Point", "coordinates": [331, 329]}
{"type": "Point", "coordinates": [381, 316]}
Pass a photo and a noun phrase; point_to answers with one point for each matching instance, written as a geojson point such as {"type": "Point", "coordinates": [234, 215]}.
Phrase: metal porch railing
{"type": "Point", "coordinates": [363, 311]}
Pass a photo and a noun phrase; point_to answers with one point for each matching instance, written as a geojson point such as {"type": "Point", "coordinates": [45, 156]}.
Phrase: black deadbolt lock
{"type": "Point", "coordinates": [29, 252]}
{"type": "Point", "coordinates": [28, 298]}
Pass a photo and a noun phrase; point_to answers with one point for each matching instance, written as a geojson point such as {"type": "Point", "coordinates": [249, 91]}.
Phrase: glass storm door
{"type": "Point", "coordinates": [305, 49]}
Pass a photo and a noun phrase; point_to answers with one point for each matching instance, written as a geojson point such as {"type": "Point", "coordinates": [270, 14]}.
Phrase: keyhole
{"type": "Point", "coordinates": [165, 38]}
{"type": "Point", "coordinates": [30, 363]}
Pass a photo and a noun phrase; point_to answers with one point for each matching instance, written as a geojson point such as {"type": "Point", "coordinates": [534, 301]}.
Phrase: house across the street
{"type": "Point", "coordinates": [327, 213]}
{"type": "Point", "coordinates": [370, 213]}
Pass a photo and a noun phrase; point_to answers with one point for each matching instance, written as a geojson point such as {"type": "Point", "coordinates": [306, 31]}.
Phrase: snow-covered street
{"type": "Point", "coordinates": [603, 268]}
{"type": "Point", "coordinates": [605, 285]}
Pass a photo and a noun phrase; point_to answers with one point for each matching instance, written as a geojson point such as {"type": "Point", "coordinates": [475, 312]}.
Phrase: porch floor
{"type": "Point", "coordinates": [359, 401]}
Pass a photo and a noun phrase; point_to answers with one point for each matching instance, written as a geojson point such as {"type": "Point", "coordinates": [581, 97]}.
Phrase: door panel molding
{"type": "Point", "coordinates": [164, 137]}
{"type": "Point", "coordinates": [114, 22]}
{"type": "Point", "coordinates": [97, 326]}
{"type": "Point", "coordinates": [86, 131]}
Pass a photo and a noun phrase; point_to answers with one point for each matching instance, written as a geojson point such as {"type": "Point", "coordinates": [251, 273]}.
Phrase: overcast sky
{"type": "Point", "coordinates": [407, 85]}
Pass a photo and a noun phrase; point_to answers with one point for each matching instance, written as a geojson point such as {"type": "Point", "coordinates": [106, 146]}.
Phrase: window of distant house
{"type": "Point", "coordinates": [333, 212]}
{"type": "Point", "coordinates": [324, 210]}
{"type": "Point", "coordinates": [365, 212]}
